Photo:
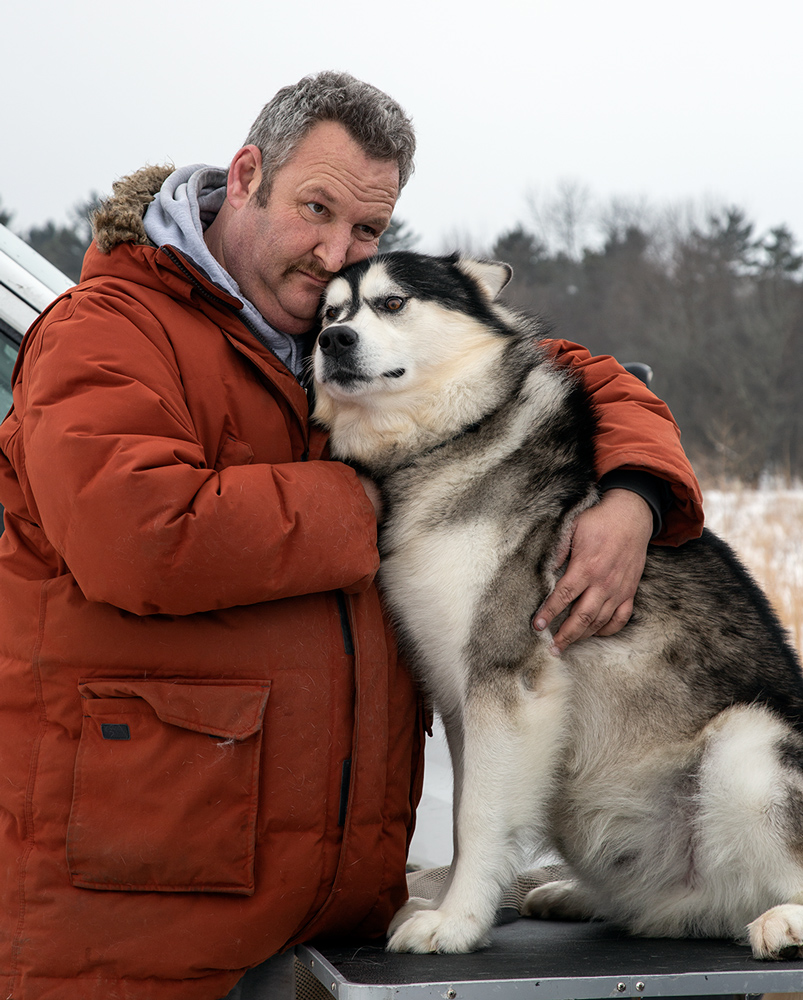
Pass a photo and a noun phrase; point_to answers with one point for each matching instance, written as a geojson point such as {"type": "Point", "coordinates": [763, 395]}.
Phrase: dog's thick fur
{"type": "Point", "coordinates": [665, 764]}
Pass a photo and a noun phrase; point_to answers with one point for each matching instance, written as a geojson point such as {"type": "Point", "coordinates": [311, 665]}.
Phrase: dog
{"type": "Point", "coordinates": [665, 763]}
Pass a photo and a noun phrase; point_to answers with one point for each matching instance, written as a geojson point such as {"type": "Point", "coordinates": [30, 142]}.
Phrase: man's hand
{"type": "Point", "coordinates": [606, 552]}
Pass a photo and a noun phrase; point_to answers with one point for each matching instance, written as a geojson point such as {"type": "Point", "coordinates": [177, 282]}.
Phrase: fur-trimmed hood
{"type": "Point", "coordinates": [120, 217]}
{"type": "Point", "coordinates": [164, 206]}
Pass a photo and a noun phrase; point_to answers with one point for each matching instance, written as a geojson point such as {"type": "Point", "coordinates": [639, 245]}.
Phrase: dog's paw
{"type": "Point", "coordinates": [555, 901]}
{"type": "Point", "coordinates": [424, 930]}
{"type": "Point", "coordinates": [778, 933]}
{"type": "Point", "coordinates": [413, 905]}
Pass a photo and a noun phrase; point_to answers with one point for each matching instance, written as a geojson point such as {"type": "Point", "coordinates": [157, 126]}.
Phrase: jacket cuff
{"type": "Point", "coordinates": [656, 492]}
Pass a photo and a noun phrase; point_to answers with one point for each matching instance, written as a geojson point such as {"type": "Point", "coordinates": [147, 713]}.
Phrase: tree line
{"type": "Point", "coordinates": [712, 306]}
{"type": "Point", "coordinates": [715, 309]}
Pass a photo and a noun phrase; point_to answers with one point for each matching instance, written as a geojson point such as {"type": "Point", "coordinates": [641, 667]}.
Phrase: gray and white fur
{"type": "Point", "coordinates": [665, 763]}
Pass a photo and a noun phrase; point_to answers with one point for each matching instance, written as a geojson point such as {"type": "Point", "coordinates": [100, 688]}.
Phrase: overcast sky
{"type": "Point", "coordinates": [690, 101]}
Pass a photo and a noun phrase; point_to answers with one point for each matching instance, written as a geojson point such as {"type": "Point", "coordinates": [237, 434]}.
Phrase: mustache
{"type": "Point", "coordinates": [311, 268]}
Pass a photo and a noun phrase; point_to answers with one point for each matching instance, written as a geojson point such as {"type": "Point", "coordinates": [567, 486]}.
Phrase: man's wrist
{"type": "Point", "coordinates": [655, 492]}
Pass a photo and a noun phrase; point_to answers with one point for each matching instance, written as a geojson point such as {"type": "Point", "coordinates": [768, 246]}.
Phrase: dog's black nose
{"type": "Point", "coordinates": [336, 341]}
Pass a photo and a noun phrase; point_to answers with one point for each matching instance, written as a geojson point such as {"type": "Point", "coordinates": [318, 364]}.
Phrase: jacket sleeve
{"type": "Point", "coordinates": [113, 470]}
{"type": "Point", "coordinates": [636, 431]}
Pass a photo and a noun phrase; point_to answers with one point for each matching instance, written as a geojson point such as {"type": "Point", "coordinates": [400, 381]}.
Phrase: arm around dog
{"type": "Point", "coordinates": [607, 551]}
{"type": "Point", "coordinates": [636, 431]}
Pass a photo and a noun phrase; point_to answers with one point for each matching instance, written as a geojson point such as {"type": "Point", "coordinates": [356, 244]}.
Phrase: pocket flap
{"type": "Point", "coordinates": [227, 708]}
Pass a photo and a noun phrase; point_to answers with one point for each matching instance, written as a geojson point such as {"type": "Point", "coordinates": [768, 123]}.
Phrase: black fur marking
{"type": "Point", "coordinates": [430, 279]}
{"type": "Point", "coordinates": [732, 629]}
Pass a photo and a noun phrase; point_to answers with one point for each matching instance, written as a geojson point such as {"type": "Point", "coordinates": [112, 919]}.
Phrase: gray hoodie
{"type": "Point", "coordinates": [187, 203]}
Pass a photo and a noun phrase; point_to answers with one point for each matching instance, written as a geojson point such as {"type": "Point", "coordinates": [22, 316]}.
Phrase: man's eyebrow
{"type": "Point", "coordinates": [321, 192]}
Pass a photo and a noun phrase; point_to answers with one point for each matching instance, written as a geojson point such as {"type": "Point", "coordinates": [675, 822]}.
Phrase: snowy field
{"type": "Point", "coordinates": [764, 526]}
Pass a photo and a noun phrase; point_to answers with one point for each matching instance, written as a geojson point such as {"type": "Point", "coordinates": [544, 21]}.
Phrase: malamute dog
{"type": "Point", "coordinates": [665, 764]}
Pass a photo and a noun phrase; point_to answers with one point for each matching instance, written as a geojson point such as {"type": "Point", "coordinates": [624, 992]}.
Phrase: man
{"type": "Point", "coordinates": [209, 749]}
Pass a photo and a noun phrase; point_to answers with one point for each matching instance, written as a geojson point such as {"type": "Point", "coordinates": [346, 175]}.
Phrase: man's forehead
{"type": "Point", "coordinates": [328, 156]}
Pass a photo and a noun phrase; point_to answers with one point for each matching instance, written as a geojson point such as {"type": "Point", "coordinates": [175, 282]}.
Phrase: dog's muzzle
{"type": "Point", "coordinates": [339, 348]}
{"type": "Point", "coordinates": [336, 341]}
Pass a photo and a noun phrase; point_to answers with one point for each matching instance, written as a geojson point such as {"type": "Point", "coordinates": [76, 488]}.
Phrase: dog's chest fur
{"type": "Point", "coordinates": [460, 520]}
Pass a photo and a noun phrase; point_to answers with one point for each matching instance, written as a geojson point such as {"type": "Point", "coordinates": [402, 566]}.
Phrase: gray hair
{"type": "Point", "coordinates": [378, 125]}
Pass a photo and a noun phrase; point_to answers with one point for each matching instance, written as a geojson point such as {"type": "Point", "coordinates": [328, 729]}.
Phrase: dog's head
{"type": "Point", "coordinates": [406, 340]}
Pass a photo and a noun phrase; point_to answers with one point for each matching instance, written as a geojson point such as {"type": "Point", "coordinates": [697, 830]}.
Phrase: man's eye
{"type": "Point", "coordinates": [394, 303]}
{"type": "Point", "coordinates": [367, 233]}
{"type": "Point", "coordinates": [316, 208]}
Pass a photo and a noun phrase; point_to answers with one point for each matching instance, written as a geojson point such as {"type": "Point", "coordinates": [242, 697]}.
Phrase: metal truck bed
{"type": "Point", "coordinates": [547, 960]}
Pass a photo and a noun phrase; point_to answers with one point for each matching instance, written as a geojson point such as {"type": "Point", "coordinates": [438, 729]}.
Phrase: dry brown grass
{"type": "Point", "coordinates": [765, 527]}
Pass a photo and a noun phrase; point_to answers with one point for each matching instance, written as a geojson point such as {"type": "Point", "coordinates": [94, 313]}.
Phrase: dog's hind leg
{"type": "Point", "coordinates": [511, 740]}
{"type": "Point", "coordinates": [561, 900]}
{"type": "Point", "coordinates": [749, 847]}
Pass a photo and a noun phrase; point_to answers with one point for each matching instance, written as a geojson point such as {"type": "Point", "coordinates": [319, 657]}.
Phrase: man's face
{"type": "Point", "coordinates": [327, 208]}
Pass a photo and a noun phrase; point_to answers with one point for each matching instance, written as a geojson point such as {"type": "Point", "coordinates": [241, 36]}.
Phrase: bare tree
{"type": "Point", "coordinates": [563, 220]}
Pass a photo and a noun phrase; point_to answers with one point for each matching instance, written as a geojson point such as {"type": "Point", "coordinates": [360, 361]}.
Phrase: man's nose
{"type": "Point", "coordinates": [333, 249]}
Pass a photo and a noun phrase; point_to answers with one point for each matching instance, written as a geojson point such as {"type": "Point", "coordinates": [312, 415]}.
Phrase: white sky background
{"type": "Point", "coordinates": [690, 101]}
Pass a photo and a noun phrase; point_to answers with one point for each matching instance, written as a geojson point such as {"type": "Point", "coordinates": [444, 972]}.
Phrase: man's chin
{"type": "Point", "coordinates": [293, 307]}
{"type": "Point", "coordinates": [299, 313]}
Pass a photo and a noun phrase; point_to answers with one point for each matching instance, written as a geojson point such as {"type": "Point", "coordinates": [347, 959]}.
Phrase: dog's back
{"type": "Point", "coordinates": [665, 762]}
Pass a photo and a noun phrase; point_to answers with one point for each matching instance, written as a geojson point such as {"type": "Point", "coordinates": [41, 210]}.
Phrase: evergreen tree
{"type": "Point", "coordinates": [522, 250]}
{"type": "Point", "coordinates": [728, 241]}
{"type": "Point", "coordinates": [398, 236]}
{"type": "Point", "coordinates": [65, 245]}
{"type": "Point", "coordinates": [781, 261]}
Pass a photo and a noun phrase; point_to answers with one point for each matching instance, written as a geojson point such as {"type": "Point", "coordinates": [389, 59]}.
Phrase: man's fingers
{"type": "Point", "coordinates": [608, 551]}
{"type": "Point", "coordinates": [586, 619]}
{"type": "Point", "coordinates": [557, 602]}
{"type": "Point", "coordinates": [618, 619]}
{"type": "Point", "coordinates": [373, 494]}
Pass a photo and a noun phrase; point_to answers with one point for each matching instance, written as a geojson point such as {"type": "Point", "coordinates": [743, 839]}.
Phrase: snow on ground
{"type": "Point", "coordinates": [431, 846]}
{"type": "Point", "coordinates": [764, 526]}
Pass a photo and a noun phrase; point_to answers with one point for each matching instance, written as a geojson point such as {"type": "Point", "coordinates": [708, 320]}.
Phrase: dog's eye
{"type": "Point", "coordinates": [329, 312]}
{"type": "Point", "coordinates": [394, 303]}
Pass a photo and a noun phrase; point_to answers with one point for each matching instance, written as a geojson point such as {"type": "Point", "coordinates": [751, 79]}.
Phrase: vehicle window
{"type": "Point", "coordinates": [8, 355]}
{"type": "Point", "coordinates": [9, 345]}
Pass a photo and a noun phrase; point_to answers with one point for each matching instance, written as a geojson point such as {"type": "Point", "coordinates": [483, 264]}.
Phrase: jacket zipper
{"type": "Point", "coordinates": [216, 300]}
{"type": "Point", "coordinates": [306, 384]}
{"type": "Point", "coordinates": [345, 624]}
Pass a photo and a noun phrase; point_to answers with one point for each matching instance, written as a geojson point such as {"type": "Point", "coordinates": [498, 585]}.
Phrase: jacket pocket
{"type": "Point", "coordinates": [166, 785]}
{"type": "Point", "coordinates": [233, 451]}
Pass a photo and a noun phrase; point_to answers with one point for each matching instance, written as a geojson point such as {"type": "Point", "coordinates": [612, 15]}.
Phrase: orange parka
{"type": "Point", "coordinates": [208, 748]}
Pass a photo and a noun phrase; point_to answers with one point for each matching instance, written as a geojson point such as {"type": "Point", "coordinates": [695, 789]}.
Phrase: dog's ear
{"type": "Point", "coordinates": [490, 275]}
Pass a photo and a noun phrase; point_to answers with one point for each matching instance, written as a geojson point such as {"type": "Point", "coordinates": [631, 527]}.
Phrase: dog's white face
{"type": "Point", "coordinates": [369, 342]}
{"type": "Point", "coordinates": [400, 335]}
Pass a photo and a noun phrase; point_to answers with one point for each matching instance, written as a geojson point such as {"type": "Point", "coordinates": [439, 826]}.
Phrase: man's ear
{"type": "Point", "coordinates": [245, 175]}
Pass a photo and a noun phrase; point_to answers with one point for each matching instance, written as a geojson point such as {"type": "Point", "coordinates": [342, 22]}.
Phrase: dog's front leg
{"type": "Point", "coordinates": [511, 740]}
